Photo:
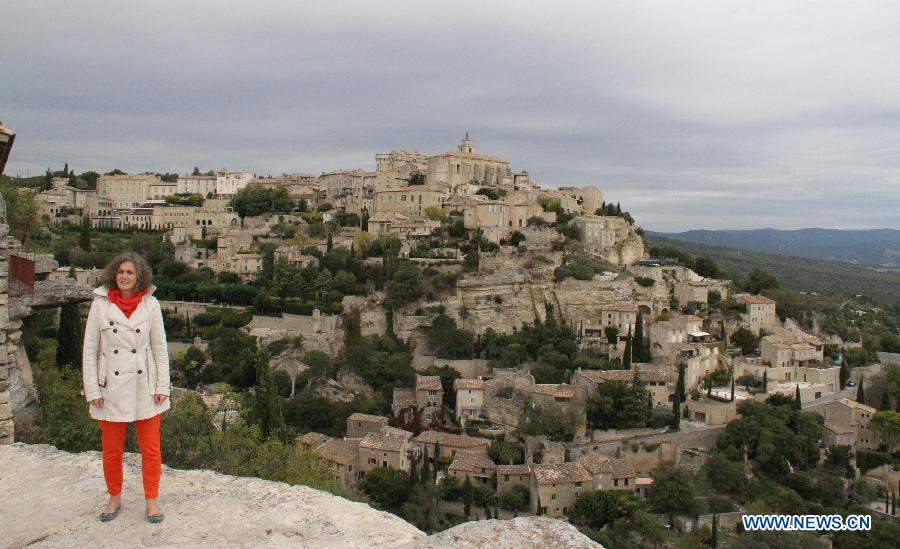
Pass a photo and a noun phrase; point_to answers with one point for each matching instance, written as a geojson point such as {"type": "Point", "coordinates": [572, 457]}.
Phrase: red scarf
{"type": "Point", "coordinates": [126, 304]}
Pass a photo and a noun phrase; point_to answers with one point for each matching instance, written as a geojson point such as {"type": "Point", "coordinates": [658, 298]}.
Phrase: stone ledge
{"type": "Point", "coordinates": [52, 499]}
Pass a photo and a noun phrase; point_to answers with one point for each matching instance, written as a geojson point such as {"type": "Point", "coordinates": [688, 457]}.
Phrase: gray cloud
{"type": "Point", "coordinates": [695, 114]}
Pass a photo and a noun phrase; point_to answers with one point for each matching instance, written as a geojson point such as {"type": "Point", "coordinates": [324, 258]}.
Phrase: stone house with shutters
{"type": "Point", "coordinates": [510, 476]}
{"type": "Point", "coordinates": [475, 465]}
{"type": "Point", "coordinates": [660, 383]}
{"type": "Point", "coordinates": [608, 473]}
{"type": "Point", "coordinates": [342, 456]}
{"type": "Point", "coordinates": [429, 396]}
{"type": "Point", "coordinates": [450, 444]}
{"type": "Point", "coordinates": [847, 424]}
{"type": "Point", "coordinates": [469, 398]}
{"type": "Point", "coordinates": [384, 449]}
{"type": "Point", "coordinates": [760, 313]}
{"type": "Point", "coordinates": [555, 486]}
{"type": "Point", "coordinates": [360, 425]}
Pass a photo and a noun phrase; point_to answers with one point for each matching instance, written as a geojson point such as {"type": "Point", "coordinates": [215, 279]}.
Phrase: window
{"type": "Point", "coordinates": [577, 485]}
{"type": "Point", "coordinates": [505, 478]}
{"type": "Point", "coordinates": [626, 482]}
{"type": "Point", "coordinates": [615, 482]}
{"type": "Point", "coordinates": [384, 463]}
{"type": "Point", "coordinates": [553, 497]}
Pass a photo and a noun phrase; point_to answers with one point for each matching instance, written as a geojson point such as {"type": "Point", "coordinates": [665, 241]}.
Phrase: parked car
{"type": "Point", "coordinates": [851, 383]}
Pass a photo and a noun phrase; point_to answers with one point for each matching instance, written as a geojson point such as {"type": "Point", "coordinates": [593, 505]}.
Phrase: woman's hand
{"type": "Point", "coordinates": [159, 399]}
{"type": "Point", "coordinates": [98, 402]}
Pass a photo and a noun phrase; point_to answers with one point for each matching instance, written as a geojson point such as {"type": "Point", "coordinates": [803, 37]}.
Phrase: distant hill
{"type": "Point", "coordinates": [799, 273]}
{"type": "Point", "coordinates": [877, 247]}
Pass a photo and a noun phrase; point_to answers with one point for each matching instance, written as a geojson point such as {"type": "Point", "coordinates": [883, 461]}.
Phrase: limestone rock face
{"type": "Point", "coordinates": [512, 534]}
{"type": "Point", "coordinates": [52, 499]}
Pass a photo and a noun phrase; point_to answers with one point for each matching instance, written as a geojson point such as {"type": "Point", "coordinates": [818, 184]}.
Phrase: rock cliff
{"type": "Point", "coordinates": [51, 499]}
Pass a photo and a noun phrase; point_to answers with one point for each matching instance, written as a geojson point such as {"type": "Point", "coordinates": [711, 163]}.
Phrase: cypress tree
{"type": "Point", "coordinates": [714, 538]}
{"type": "Point", "coordinates": [70, 336]}
{"type": "Point", "coordinates": [437, 457]}
{"type": "Point", "coordinates": [639, 339]}
{"type": "Point", "coordinates": [84, 237]}
{"type": "Point", "coordinates": [885, 400]}
{"type": "Point", "coordinates": [364, 222]}
{"type": "Point", "coordinates": [424, 473]}
{"type": "Point", "coordinates": [709, 388]}
{"type": "Point", "coordinates": [676, 404]}
{"type": "Point", "coordinates": [267, 401]}
{"type": "Point", "coordinates": [413, 474]}
{"type": "Point", "coordinates": [844, 375]}
{"type": "Point", "coordinates": [797, 404]}
{"type": "Point", "coordinates": [329, 243]}
{"type": "Point", "coordinates": [732, 389]}
{"type": "Point", "coordinates": [860, 392]}
{"type": "Point", "coordinates": [626, 355]}
{"type": "Point", "coordinates": [765, 382]}
{"type": "Point", "coordinates": [467, 498]}
{"type": "Point", "coordinates": [722, 334]}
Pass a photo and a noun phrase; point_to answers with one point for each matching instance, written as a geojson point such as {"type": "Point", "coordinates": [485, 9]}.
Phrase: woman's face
{"type": "Point", "coordinates": [126, 277]}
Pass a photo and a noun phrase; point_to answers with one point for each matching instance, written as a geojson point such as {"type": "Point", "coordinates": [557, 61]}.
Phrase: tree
{"type": "Point", "coordinates": [266, 411]}
{"type": "Point", "coordinates": [640, 348]}
{"type": "Point", "coordinates": [84, 236]}
{"type": "Point", "coordinates": [405, 285]}
{"type": "Point", "coordinates": [706, 267]}
{"type": "Point", "coordinates": [797, 404]}
{"type": "Point", "coordinates": [516, 238]}
{"type": "Point", "coordinates": [611, 332]}
{"type": "Point", "coordinates": [714, 538]}
{"type": "Point", "coordinates": [551, 421]}
{"type": "Point", "coordinates": [746, 340]}
{"type": "Point", "coordinates": [603, 507]}
{"type": "Point", "coordinates": [676, 403]}
{"type": "Point", "coordinates": [387, 488]}
{"type": "Point", "coordinates": [760, 279]}
{"type": "Point", "coordinates": [886, 426]}
{"type": "Point", "coordinates": [673, 491]}
{"type": "Point", "coordinates": [425, 473]}
{"type": "Point", "coordinates": [765, 380]}
{"type": "Point", "coordinates": [732, 389]}
{"type": "Point", "coordinates": [70, 336]}
{"type": "Point", "coordinates": [725, 476]}
{"type": "Point", "coordinates": [467, 497]}
{"type": "Point", "coordinates": [196, 171]}
{"type": "Point", "coordinates": [861, 392]}
{"type": "Point", "coordinates": [516, 499]}
{"type": "Point", "coordinates": [435, 213]}
{"type": "Point", "coordinates": [186, 434]}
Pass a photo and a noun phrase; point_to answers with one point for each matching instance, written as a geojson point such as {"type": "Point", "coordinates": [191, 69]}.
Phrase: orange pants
{"type": "Point", "coordinates": [113, 439]}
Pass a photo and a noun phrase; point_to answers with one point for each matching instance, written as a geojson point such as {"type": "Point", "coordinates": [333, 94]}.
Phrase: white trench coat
{"type": "Point", "coordinates": [125, 360]}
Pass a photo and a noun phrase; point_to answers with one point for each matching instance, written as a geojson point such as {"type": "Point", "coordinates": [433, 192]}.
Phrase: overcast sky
{"type": "Point", "coordinates": [691, 114]}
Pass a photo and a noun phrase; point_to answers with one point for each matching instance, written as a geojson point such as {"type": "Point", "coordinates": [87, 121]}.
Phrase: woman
{"type": "Point", "coordinates": [126, 374]}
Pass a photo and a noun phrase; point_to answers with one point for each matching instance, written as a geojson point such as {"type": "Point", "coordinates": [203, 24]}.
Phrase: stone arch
{"type": "Point", "coordinates": [645, 311]}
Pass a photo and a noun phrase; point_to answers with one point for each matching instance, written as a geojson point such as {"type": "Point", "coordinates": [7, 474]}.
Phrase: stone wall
{"type": "Point", "coordinates": [467, 368]}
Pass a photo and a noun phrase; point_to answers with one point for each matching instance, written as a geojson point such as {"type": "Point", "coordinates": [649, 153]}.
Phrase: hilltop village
{"type": "Point", "coordinates": [504, 339]}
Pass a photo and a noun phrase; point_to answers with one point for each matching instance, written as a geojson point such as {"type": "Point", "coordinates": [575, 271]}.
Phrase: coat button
{"type": "Point", "coordinates": [134, 350]}
{"type": "Point", "coordinates": [140, 372]}
{"type": "Point", "coordinates": [138, 330]}
{"type": "Point", "coordinates": [115, 351]}
{"type": "Point", "coordinates": [111, 323]}
{"type": "Point", "coordinates": [115, 330]}
{"type": "Point", "coordinates": [117, 372]}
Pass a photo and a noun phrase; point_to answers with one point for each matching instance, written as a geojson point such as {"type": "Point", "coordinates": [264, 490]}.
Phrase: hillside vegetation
{"type": "Point", "coordinates": [799, 273]}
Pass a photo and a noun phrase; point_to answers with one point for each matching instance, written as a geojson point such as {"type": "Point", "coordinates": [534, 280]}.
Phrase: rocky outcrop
{"type": "Point", "coordinates": [52, 498]}
{"type": "Point", "coordinates": [508, 534]}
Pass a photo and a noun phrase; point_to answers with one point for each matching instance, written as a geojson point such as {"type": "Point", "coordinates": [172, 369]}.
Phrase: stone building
{"type": "Point", "coordinates": [473, 465]}
{"type": "Point", "coordinates": [450, 444]}
{"type": "Point", "coordinates": [847, 424]}
{"type": "Point", "coordinates": [429, 396]}
{"type": "Point", "coordinates": [343, 459]}
{"type": "Point", "coordinates": [469, 398]}
{"type": "Point", "coordinates": [510, 476]}
{"type": "Point", "coordinates": [659, 382]}
{"type": "Point", "coordinates": [204, 185]}
{"type": "Point", "coordinates": [411, 201]}
{"type": "Point", "coordinates": [360, 425]}
{"type": "Point", "coordinates": [791, 347]}
{"type": "Point", "coordinates": [608, 473]}
{"type": "Point", "coordinates": [612, 238]}
{"type": "Point", "coordinates": [710, 411]}
{"type": "Point", "coordinates": [384, 449]}
{"type": "Point", "coordinates": [587, 199]}
{"type": "Point", "coordinates": [465, 165]}
{"type": "Point", "coordinates": [692, 291]}
{"type": "Point", "coordinates": [126, 191]}
{"type": "Point", "coordinates": [555, 487]}
{"type": "Point", "coordinates": [228, 183]}
{"type": "Point", "coordinates": [760, 313]}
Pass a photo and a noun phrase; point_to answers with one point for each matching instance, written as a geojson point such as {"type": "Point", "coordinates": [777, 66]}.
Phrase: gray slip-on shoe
{"type": "Point", "coordinates": [106, 517]}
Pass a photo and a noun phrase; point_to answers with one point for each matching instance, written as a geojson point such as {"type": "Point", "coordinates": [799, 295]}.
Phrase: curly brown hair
{"type": "Point", "coordinates": [144, 272]}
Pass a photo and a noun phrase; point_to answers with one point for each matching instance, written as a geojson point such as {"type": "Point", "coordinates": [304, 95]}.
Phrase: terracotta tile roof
{"type": "Point", "coordinates": [554, 390]}
{"type": "Point", "coordinates": [621, 307]}
{"type": "Point", "coordinates": [388, 216]}
{"type": "Point", "coordinates": [560, 473]}
{"type": "Point", "coordinates": [387, 442]}
{"type": "Point", "coordinates": [450, 440]}
{"type": "Point", "coordinates": [838, 428]}
{"type": "Point", "coordinates": [404, 397]}
{"type": "Point", "coordinates": [796, 338]}
{"type": "Point", "coordinates": [521, 469]}
{"type": "Point", "coordinates": [853, 404]}
{"type": "Point", "coordinates": [598, 464]}
{"type": "Point", "coordinates": [428, 383]}
{"type": "Point", "coordinates": [472, 461]}
{"type": "Point", "coordinates": [602, 376]}
{"type": "Point", "coordinates": [368, 417]}
{"type": "Point", "coordinates": [754, 299]}
{"type": "Point", "coordinates": [344, 452]}
{"type": "Point", "coordinates": [468, 384]}
{"type": "Point", "coordinates": [643, 481]}
{"type": "Point", "coordinates": [313, 439]}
